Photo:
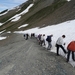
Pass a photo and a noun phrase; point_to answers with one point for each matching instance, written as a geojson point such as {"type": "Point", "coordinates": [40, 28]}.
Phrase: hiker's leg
{"type": "Point", "coordinates": [57, 49]}
{"type": "Point", "coordinates": [63, 49]}
{"type": "Point", "coordinates": [44, 42]}
{"type": "Point", "coordinates": [73, 55]}
{"type": "Point", "coordinates": [48, 46]}
{"type": "Point", "coordinates": [68, 55]}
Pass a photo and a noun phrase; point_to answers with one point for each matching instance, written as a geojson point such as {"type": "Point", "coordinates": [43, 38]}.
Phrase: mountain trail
{"type": "Point", "coordinates": [26, 57]}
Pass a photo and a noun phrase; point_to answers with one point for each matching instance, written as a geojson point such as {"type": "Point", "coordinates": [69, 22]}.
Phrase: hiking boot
{"type": "Point", "coordinates": [58, 55]}
{"type": "Point", "coordinates": [48, 49]}
{"type": "Point", "coordinates": [67, 61]}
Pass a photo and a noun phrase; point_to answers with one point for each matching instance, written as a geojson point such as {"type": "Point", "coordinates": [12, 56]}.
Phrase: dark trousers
{"type": "Point", "coordinates": [60, 46]}
{"type": "Point", "coordinates": [26, 37]}
{"type": "Point", "coordinates": [68, 55]}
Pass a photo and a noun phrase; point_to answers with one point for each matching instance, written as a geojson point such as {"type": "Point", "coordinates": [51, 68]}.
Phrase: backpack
{"type": "Point", "coordinates": [48, 38]}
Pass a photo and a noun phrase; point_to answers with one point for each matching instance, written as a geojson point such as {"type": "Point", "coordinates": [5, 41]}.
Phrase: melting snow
{"type": "Point", "coordinates": [23, 26]}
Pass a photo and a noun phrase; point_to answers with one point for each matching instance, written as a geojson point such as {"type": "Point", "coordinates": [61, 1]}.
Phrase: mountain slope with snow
{"type": "Point", "coordinates": [42, 13]}
{"type": "Point", "coordinates": [39, 13]}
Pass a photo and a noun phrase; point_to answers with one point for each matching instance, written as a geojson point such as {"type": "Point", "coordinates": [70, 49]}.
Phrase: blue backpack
{"type": "Point", "coordinates": [48, 38]}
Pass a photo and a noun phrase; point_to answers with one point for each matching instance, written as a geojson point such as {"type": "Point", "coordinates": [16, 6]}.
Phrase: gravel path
{"type": "Point", "coordinates": [25, 57]}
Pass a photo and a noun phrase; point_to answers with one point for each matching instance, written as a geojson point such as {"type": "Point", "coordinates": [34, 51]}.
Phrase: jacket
{"type": "Point", "coordinates": [71, 46]}
{"type": "Point", "coordinates": [60, 41]}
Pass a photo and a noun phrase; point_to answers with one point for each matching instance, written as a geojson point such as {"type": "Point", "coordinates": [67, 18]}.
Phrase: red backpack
{"type": "Point", "coordinates": [71, 46]}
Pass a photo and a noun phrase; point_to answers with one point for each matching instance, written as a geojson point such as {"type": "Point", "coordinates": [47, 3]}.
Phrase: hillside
{"type": "Point", "coordinates": [42, 13]}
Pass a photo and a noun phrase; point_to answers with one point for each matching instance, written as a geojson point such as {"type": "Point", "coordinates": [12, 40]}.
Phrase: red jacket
{"type": "Point", "coordinates": [71, 46]}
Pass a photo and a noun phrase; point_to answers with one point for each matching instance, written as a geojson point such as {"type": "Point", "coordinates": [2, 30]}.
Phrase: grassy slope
{"type": "Point", "coordinates": [59, 11]}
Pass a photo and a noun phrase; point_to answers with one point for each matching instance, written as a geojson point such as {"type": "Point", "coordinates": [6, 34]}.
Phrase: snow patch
{"type": "Point", "coordinates": [3, 13]}
{"type": "Point", "coordinates": [16, 19]}
{"type": "Point", "coordinates": [27, 9]}
{"type": "Point", "coordinates": [9, 32]}
{"type": "Point", "coordinates": [2, 38]}
{"type": "Point", "coordinates": [23, 26]}
{"type": "Point", "coordinates": [18, 16]}
{"type": "Point", "coordinates": [1, 24]}
{"type": "Point", "coordinates": [68, 0]}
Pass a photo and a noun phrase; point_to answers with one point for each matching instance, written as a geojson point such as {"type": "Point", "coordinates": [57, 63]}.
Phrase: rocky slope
{"type": "Point", "coordinates": [42, 13]}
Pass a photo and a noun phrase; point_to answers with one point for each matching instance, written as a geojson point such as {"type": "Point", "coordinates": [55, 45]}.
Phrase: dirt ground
{"type": "Point", "coordinates": [26, 57]}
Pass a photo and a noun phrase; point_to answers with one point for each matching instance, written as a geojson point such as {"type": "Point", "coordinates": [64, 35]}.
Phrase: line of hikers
{"type": "Point", "coordinates": [26, 35]}
{"type": "Point", "coordinates": [59, 44]}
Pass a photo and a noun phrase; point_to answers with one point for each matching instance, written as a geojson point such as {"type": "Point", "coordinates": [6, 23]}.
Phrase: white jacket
{"type": "Point", "coordinates": [60, 41]}
{"type": "Point", "coordinates": [42, 38]}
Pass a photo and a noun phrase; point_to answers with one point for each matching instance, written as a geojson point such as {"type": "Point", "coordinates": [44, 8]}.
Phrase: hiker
{"type": "Point", "coordinates": [32, 35]}
{"type": "Point", "coordinates": [59, 44]}
{"type": "Point", "coordinates": [27, 36]}
{"type": "Point", "coordinates": [42, 40]}
{"type": "Point", "coordinates": [49, 40]}
{"type": "Point", "coordinates": [71, 48]}
{"type": "Point", "coordinates": [24, 35]}
{"type": "Point", "coordinates": [39, 38]}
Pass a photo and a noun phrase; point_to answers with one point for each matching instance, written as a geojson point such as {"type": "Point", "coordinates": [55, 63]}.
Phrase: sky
{"type": "Point", "coordinates": [9, 4]}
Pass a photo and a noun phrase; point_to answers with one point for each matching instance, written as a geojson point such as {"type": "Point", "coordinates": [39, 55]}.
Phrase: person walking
{"type": "Point", "coordinates": [24, 35]}
{"type": "Point", "coordinates": [49, 40]}
{"type": "Point", "coordinates": [39, 38]}
{"type": "Point", "coordinates": [71, 48]}
{"type": "Point", "coordinates": [27, 36]}
{"type": "Point", "coordinates": [42, 40]}
{"type": "Point", "coordinates": [59, 44]}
